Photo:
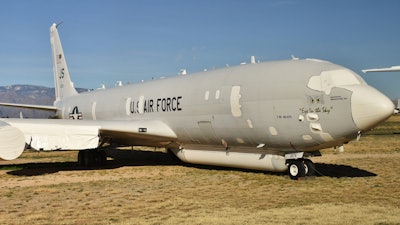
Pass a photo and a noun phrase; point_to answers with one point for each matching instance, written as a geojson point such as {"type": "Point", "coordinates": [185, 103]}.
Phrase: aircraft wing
{"type": "Point", "coordinates": [389, 69]}
{"type": "Point", "coordinates": [60, 134]}
{"type": "Point", "coordinates": [27, 106]}
{"type": "Point", "coordinates": [139, 132]}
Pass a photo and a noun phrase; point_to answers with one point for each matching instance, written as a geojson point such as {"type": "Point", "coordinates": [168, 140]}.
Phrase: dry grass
{"type": "Point", "coordinates": [359, 186]}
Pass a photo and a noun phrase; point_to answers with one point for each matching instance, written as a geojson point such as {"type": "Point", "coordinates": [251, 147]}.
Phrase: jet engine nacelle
{"type": "Point", "coordinates": [12, 141]}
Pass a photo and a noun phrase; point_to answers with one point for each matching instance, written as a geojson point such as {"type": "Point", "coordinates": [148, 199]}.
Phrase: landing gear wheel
{"type": "Point", "coordinates": [296, 169]}
{"type": "Point", "coordinates": [309, 167]}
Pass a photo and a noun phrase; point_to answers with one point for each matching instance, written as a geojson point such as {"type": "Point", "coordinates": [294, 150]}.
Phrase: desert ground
{"type": "Point", "coordinates": [146, 186]}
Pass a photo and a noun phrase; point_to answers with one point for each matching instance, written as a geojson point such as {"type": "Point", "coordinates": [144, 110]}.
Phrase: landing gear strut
{"type": "Point", "coordinates": [91, 157]}
{"type": "Point", "coordinates": [298, 168]}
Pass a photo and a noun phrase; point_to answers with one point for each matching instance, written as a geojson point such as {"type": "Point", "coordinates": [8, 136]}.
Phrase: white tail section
{"type": "Point", "coordinates": [62, 81]}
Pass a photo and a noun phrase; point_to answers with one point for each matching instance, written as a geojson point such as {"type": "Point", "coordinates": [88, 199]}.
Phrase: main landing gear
{"type": "Point", "coordinates": [92, 157]}
{"type": "Point", "coordinates": [298, 168]}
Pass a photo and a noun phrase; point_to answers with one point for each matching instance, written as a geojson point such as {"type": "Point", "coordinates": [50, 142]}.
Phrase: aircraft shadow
{"type": "Point", "coordinates": [334, 170]}
{"type": "Point", "coordinates": [321, 170]}
{"type": "Point", "coordinates": [121, 158]}
{"type": "Point", "coordinates": [116, 159]}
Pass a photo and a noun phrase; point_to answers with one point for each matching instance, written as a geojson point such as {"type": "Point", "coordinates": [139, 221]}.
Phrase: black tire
{"type": "Point", "coordinates": [309, 167]}
{"type": "Point", "coordinates": [296, 169]}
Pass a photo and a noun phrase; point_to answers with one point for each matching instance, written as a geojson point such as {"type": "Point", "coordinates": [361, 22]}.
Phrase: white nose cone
{"type": "Point", "coordinates": [369, 107]}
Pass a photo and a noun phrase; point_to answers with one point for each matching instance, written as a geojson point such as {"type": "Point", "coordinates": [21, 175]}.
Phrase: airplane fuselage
{"type": "Point", "coordinates": [289, 106]}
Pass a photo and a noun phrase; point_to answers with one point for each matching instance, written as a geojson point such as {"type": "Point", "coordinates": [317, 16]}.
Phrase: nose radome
{"type": "Point", "coordinates": [369, 107]}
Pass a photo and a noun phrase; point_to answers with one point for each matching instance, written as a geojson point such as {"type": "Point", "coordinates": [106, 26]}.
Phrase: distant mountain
{"type": "Point", "coordinates": [27, 94]}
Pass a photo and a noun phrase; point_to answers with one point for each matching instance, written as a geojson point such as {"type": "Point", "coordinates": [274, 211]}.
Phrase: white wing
{"type": "Point", "coordinates": [57, 134]}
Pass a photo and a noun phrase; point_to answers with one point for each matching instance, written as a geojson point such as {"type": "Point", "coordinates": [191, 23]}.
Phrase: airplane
{"type": "Point", "coordinates": [388, 69]}
{"type": "Point", "coordinates": [269, 116]}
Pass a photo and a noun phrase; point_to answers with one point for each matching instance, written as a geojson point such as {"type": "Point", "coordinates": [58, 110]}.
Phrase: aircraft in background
{"type": "Point", "coordinates": [268, 116]}
{"type": "Point", "coordinates": [388, 69]}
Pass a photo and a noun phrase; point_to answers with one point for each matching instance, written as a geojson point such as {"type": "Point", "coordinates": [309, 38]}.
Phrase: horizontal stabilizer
{"type": "Point", "coordinates": [27, 106]}
{"type": "Point", "coordinates": [12, 142]}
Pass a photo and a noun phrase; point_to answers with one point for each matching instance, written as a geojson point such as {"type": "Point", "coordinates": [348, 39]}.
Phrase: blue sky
{"type": "Point", "coordinates": [107, 41]}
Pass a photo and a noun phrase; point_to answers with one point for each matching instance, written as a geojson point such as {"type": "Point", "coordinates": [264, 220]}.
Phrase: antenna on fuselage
{"type": "Point", "coordinates": [118, 83]}
{"type": "Point", "coordinates": [252, 59]}
{"type": "Point", "coordinates": [182, 72]}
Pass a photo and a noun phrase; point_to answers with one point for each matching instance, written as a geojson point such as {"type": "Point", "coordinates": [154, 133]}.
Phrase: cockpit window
{"type": "Point", "coordinates": [333, 78]}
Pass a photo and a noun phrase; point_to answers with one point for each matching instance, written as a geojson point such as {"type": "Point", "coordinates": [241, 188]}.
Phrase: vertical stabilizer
{"type": "Point", "coordinates": [62, 81]}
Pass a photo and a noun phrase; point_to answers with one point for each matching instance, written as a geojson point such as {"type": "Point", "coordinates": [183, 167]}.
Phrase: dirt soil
{"type": "Point", "coordinates": [358, 186]}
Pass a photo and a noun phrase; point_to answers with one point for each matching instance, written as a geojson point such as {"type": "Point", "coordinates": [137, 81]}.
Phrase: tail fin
{"type": "Point", "coordinates": [62, 81]}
